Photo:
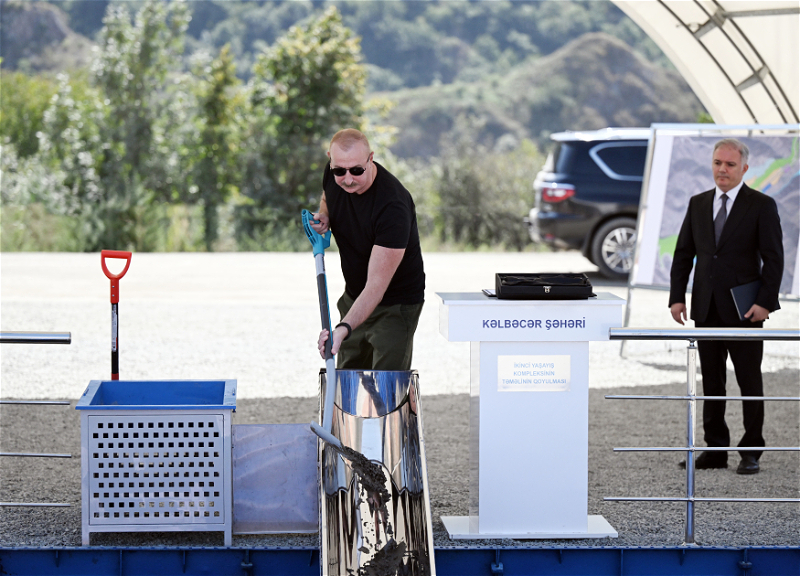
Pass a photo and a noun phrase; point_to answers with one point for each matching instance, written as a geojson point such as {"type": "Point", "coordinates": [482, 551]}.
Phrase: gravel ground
{"type": "Point", "coordinates": [612, 423]}
{"type": "Point", "coordinates": [254, 317]}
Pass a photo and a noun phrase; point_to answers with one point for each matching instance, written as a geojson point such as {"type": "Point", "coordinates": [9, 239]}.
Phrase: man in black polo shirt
{"type": "Point", "coordinates": [373, 218]}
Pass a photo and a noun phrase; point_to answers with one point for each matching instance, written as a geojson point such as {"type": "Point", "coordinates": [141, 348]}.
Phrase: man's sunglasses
{"type": "Point", "coordinates": [355, 170]}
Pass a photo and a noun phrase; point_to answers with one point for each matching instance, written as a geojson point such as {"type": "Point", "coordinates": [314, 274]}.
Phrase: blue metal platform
{"type": "Point", "coordinates": [450, 561]}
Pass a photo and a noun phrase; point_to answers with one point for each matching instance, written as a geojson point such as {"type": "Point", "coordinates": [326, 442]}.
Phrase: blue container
{"type": "Point", "coordinates": [158, 395]}
{"type": "Point", "coordinates": [156, 456]}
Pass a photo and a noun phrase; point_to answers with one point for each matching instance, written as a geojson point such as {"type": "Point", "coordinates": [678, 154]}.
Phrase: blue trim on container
{"type": "Point", "coordinates": [159, 395]}
{"type": "Point", "coordinates": [450, 561]}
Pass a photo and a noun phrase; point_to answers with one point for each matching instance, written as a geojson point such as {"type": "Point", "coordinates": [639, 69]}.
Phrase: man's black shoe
{"type": "Point", "coordinates": [708, 460]}
{"type": "Point", "coordinates": [748, 465]}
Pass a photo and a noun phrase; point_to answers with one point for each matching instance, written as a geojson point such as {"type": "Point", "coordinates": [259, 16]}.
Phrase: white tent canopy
{"type": "Point", "coordinates": [739, 56]}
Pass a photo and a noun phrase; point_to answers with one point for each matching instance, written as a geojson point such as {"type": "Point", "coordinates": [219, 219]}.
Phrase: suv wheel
{"type": "Point", "coordinates": [612, 247]}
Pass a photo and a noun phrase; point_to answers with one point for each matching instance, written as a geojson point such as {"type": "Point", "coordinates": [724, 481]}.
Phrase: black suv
{"type": "Point", "coordinates": [587, 195]}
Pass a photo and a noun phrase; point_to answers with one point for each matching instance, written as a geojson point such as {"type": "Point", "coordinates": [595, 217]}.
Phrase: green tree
{"type": "Point", "coordinates": [71, 144]}
{"type": "Point", "coordinates": [23, 101]}
{"type": "Point", "coordinates": [483, 192]}
{"type": "Point", "coordinates": [307, 86]}
{"type": "Point", "coordinates": [116, 144]}
{"type": "Point", "coordinates": [216, 174]}
{"type": "Point", "coordinates": [134, 62]}
{"type": "Point", "coordinates": [27, 222]}
{"type": "Point", "coordinates": [43, 193]}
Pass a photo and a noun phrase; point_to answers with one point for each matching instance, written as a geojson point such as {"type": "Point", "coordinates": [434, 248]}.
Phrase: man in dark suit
{"type": "Point", "coordinates": [735, 234]}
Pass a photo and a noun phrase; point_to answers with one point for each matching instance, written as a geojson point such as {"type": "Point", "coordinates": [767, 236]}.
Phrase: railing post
{"type": "Point", "coordinates": [691, 412]}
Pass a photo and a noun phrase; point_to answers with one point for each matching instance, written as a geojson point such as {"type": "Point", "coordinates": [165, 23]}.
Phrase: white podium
{"type": "Point", "coordinates": [529, 413]}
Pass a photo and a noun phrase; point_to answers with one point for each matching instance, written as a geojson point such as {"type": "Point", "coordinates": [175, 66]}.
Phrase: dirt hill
{"type": "Point", "coordinates": [35, 37]}
{"type": "Point", "coordinates": [594, 82]}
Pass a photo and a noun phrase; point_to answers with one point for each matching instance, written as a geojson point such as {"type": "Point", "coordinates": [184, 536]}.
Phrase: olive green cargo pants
{"type": "Point", "coordinates": [384, 342]}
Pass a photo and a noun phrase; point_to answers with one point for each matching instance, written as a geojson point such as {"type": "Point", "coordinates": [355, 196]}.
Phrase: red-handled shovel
{"type": "Point", "coordinates": [115, 278]}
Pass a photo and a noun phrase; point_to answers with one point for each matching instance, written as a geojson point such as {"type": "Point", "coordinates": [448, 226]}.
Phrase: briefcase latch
{"type": "Point", "coordinates": [547, 289]}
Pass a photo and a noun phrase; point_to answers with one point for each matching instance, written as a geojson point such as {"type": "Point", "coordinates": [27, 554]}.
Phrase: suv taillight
{"type": "Point", "coordinates": [557, 192]}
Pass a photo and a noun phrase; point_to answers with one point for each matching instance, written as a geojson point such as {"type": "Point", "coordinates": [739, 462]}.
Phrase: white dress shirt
{"type": "Point", "coordinates": [732, 193]}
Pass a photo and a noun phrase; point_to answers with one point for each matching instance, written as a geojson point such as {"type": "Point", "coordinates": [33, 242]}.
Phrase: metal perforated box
{"type": "Point", "coordinates": [156, 456]}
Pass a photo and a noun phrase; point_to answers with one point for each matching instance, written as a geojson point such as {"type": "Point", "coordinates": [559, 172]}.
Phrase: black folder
{"type": "Point", "coordinates": [744, 297]}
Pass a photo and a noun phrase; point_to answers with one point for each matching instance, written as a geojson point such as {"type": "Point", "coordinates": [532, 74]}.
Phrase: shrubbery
{"type": "Point", "coordinates": [141, 154]}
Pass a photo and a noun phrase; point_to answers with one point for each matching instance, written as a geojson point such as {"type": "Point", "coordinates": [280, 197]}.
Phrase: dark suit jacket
{"type": "Point", "coordinates": [752, 235]}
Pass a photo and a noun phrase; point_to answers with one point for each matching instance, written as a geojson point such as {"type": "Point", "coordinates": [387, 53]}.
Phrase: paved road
{"type": "Point", "coordinates": [254, 317]}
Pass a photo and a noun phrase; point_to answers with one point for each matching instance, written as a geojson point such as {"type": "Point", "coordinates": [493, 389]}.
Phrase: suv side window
{"type": "Point", "coordinates": [621, 160]}
{"type": "Point", "coordinates": [571, 159]}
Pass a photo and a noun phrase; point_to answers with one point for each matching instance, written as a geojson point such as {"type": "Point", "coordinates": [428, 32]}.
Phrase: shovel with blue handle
{"type": "Point", "coordinates": [373, 479]}
{"type": "Point", "coordinates": [318, 243]}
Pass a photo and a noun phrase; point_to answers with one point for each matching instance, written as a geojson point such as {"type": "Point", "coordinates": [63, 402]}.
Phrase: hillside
{"type": "Point", "coordinates": [36, 37]}
{"type": "Point", "coordinates": [405, 44]}
{"type": "Point", "coordinates": [593, 82]}
{"type": "Point", "coordinates": [596, 80]}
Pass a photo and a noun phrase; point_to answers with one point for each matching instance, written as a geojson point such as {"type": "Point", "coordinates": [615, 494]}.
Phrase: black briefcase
{"type": "Point", "coordinates": [530, 286]}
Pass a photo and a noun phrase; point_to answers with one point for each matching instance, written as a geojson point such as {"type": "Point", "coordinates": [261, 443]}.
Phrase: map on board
{"type": "Point", "coordinates": [774, 169]}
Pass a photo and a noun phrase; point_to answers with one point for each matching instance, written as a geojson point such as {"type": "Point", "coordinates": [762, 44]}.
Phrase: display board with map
{"type": "Point", "coordinates": [681, 168]}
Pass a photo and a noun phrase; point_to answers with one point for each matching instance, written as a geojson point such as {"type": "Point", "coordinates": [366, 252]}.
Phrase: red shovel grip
{"type": "Point", "coordinates": [121, 254]}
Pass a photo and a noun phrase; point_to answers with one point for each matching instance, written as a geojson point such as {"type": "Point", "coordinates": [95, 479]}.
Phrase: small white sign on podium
{"type": "Point", "coordinates": [533, 373]}
{"type": "Point", "coordinates": [529, 413]}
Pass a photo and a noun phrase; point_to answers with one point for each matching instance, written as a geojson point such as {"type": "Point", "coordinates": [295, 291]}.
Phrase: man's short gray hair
{"type": "Point", "coordinates": [738, 145]}
{"type": "Point", "coordinates": [348, 138]}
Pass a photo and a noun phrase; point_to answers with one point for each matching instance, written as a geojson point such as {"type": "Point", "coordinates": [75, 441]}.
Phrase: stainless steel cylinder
{"type": "Point", "coordinates": [375, 513]}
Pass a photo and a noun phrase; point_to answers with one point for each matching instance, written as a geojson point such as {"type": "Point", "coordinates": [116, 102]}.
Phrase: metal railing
{"type": "Point", "coordinates": [691, 398]}
{"type": "Point", "coordinates": [35, 338]}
